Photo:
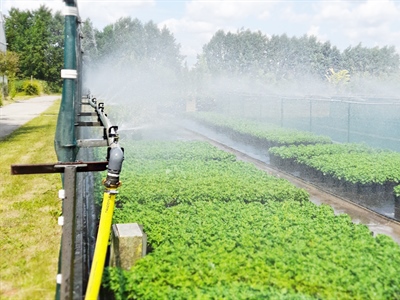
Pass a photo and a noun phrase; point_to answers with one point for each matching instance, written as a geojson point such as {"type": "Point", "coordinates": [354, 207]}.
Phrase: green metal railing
{"type": "Point", "coordinates": [74, 152]}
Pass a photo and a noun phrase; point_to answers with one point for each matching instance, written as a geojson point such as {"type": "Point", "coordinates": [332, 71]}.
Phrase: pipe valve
{"type": "Point", "coordinates": [115, 158]}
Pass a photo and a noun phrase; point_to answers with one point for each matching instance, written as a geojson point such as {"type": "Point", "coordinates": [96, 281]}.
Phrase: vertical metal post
{"type": "Point", "coordinates": [281, 112]}
{"type": "Point", "coordinates": [68, 234]}
{"type": "Point", "coordinates": [348, 121]}
{"type": "Point", "coordinates": [311, 124]}
{"type": "Point", "coordinates": [65, 140]}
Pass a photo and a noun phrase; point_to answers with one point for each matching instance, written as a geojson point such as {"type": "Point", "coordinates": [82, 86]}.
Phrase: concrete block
{"type": "Point", "coordinates": [128, 245]}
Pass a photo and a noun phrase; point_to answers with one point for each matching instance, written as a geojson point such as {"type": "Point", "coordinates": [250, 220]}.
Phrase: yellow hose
{"type": "Point", "coordinates": [103, 235]}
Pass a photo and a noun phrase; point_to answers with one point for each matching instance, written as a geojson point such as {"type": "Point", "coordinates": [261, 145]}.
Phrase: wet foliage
{"type": "Point", "coordinates": [351, 162]}
{"type": "Point", "coordinates": [234, 232]}
{"type": "Point", "coordinates": [261, 133]}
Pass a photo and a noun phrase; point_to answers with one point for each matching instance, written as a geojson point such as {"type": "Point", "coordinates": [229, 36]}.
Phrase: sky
{"type": "Point", "coordinates": [193, 23]}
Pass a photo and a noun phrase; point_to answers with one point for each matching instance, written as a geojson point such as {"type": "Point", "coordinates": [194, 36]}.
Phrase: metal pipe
{"type": "Point", "coordinates": [65, 140]}
{"type": "Point", "coordinates": [110, 131]}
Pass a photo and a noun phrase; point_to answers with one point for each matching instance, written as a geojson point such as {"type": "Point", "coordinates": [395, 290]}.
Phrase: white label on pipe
{"type": "Point", "coordinates": [69, 74]}
{"type": "Point", "coordinates": [70, 11]}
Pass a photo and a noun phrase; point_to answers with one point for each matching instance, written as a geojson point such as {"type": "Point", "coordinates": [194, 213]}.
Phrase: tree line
{"type": "Point", "coordinates": [282, 57]}
{"type": "Point", "coordinates": [36, 37]}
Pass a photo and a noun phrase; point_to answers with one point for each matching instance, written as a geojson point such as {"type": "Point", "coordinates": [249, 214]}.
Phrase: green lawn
{"type": "Point", "coordinates": [29, 208]}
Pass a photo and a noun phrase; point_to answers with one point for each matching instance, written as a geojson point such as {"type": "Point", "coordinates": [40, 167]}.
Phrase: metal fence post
{"type": "Point", "coordinates": [348, 121]}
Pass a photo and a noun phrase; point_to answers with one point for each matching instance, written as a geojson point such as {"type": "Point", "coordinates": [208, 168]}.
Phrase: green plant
{"type": "Point", "coordinates": [19, 86]}
{"type": "Point", "coordinates": [55, 87]}
{"type": "Point", "coordinates": [255, 131]}
{"type": "Point", "coordinates": [353, 163]}
{"type": "Point", "coordinates": [221, 229]}
{"type": "Point", "coordinates": [45, 87]}
{"type": "Point", "coordinates": [339, 78]}
{"type": "Point", "coordinates": [12, 89]}
{"type": "Point", "coordinates": [32, 87]}
{"type": "Point", "coordinates": [396, 190]}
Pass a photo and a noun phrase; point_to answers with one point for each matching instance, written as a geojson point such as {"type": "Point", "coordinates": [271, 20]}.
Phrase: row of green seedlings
{"type": "Point", "coordinates": [257, 133]}
{"type": "Point", "coordinates": [348, 168]}
{"type": "Point", "coordinates": [219, 228]}
{"type": "Point", "coordinates": [353, 170]}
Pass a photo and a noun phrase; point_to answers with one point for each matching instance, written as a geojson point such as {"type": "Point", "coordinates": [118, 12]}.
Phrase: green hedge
{"type": "Point", "coordinates": [220, 229]}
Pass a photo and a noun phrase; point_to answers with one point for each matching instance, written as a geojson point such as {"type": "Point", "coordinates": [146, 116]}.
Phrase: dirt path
{"type": "Point", "coordinates": [14, 115]}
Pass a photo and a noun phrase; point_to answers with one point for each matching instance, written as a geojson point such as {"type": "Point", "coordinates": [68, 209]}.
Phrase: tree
{"type": "Point", "coordinates": [37, 37]}
{"type": "Point", "coordinates": [89, 43]}
{"type": "Point", "coordinates": [8, 64]}
{"type": "Point", "coordinates": [240, 53]}
{"type": "Point", "coordinates": [371, 61]}
{"type": "Point", "coordinates": [128, 40]}
{"type": "Point", "coordinates": [8, 68]}
{"type": "Point", "coordinates": [131, 59]}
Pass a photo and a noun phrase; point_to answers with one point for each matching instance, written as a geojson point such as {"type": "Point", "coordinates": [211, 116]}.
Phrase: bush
{"type": "Point", "coordinates": [45, 87]}
{"type": "Point", "coordinates": [36, 87]}
{"type": "Point", "coordinates": [32, 87]}
{"type": "Point", "coordinates": [54, 87]}
{"type": "Point", "coordinates": [12, 89]}
{"type": "Point", "coordinates": [19, 86]}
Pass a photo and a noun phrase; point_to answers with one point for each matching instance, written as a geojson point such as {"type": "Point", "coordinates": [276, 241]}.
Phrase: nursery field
{"type": "Point", "coordinates": [364, 175]}
{"type": "Point", "coordinates": [219, 228]}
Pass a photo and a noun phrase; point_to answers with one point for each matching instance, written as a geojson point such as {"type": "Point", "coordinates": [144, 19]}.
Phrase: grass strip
{"type": "Point", "coordinates": [29, 208]}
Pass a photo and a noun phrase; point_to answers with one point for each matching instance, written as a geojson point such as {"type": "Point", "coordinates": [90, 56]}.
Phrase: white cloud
{"type": "Point", "coordinates": [187, 25]}
{"type": "Point", "coordinates": [226, 10]}
{"type": "Point", "coordinates": [314, 31]}
{"type": "Point", "coordinates": [290, 15]}
{"type": "Point", "coordinates": [194, 33]}
{"type": "Point", "coordinates": [374, 23]}
{"type": "Point", "coordinates": [374, 13]}
{"type": "Point", "coordinates": [332, 11]}
{"type": "Point", "coordinates": [106, 12]}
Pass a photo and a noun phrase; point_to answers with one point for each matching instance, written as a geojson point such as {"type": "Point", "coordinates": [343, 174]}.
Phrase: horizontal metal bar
{"type": "Point", "coordinates": [88, 124]}
{"type": "Point", "coordinates": [89, 143]}
{"type": "Point", "coordinates": [92, 166]}
{"type": "Point", "coordinates": [87, 114]}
